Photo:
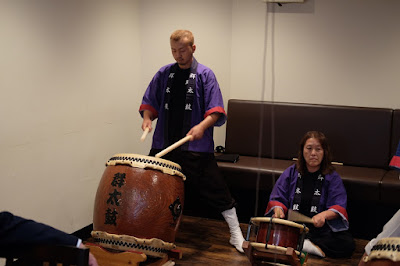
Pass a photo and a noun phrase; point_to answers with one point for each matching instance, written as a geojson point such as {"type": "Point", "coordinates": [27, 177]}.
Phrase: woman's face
{"type": "Point", "coordinates": [313, 154]}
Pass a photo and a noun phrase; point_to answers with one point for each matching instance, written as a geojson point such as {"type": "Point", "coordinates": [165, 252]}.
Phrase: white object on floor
{"type": "Point", "coordinates": [169, 263]}
{"type": "Point", "coordinates": [311, 248]}
{"type": "Point", "coordinates": [237, 238]}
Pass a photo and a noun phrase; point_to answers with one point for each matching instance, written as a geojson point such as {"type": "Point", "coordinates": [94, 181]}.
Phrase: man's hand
{"type": "Point", "coordinates": [147, 120]}
{"type": "Point", "coordinates": [198, 130]}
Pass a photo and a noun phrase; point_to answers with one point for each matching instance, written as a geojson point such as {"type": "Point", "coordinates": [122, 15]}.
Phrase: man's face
{"type": "Point", "coordinates": [182, 53]}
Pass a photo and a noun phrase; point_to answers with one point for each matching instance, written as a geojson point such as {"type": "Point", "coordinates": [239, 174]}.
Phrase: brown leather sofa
{"type": "Point", "coordinates": [390, 185]}
{"type": "Point", "coordinates": [266, 136]}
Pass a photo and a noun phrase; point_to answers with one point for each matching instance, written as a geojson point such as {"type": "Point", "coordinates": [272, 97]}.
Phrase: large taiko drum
{"type": "Point", "coordinates": [275, 235]}
{"type": "Point", "coordinates": [138, 204]}
{"type": "Point", "coordinates": [386, 252]}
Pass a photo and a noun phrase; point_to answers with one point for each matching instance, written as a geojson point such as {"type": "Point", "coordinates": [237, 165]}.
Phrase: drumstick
{"type": "Point", "coordinates": [174, 146]}
{"type": "Point", "coordinates": [298, 217]}
{"type": "Point", "coordinates": [145, 133]}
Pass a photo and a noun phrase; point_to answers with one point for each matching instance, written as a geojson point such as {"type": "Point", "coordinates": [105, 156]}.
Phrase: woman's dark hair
{"type": "Point", "coordinates": [326, 163]}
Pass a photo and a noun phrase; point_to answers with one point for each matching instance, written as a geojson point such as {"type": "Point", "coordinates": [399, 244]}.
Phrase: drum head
{"type": "Point", "coordinates": [258, 220]}
{"type": "Point", "coordinates": [142, 161]}
{"type": "Point", "coordinates": [386, 248]}
{"type": "Point", "coordinates": [152, 247]}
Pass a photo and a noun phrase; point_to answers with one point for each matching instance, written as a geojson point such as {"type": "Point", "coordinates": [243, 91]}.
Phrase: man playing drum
{"type": "Point", "coordinates": [186, 100]}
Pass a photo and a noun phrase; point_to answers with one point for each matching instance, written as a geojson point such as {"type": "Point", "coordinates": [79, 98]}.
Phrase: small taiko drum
{"type": "Point", "coordinates": [275, 235]}
{"type": "Point", "coordinates": [138, 204]}
{"type": "Point", "coordinates": [386, 252]}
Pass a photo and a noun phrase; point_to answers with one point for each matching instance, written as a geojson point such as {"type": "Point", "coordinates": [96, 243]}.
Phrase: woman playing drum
{"type": "Point", "coordinates": [313, 188]}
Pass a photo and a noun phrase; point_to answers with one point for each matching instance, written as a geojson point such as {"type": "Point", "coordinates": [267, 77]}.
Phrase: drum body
{"type": "Point", "coordinates": [138, 204]}
{"type": "Point", "coordinates": [276, 235]}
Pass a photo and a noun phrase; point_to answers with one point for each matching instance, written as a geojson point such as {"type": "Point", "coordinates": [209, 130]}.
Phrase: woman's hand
{"type": "Point", "coordinates": [320, 218]}
{"type": "Point", "coordinates": [278, 213]}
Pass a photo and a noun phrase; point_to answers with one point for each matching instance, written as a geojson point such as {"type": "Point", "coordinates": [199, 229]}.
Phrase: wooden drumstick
{"type": "Point", "coordinates": [174, 146]}
{"type": "Point", "coordinates": [298, 217]}
{"type": "Point", "coordinates": [146, 130]}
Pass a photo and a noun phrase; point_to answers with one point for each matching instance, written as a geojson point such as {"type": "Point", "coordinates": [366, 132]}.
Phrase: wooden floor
{"type": "Point", "coordinates": [206, 242]}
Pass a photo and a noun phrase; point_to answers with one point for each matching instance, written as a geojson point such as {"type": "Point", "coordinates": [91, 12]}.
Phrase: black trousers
{"type": "Point", "coordinates": [334, 244]}
{"type": "Point", "coordinates": [204, 180]}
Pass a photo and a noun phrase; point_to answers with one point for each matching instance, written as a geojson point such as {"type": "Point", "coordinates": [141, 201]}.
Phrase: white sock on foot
{"type": "Point", "coordinates": [237, 238]}
{"type": "Point", "coordinates": [311, 248]}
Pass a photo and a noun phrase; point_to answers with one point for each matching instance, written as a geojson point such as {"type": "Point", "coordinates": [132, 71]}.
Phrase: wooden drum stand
{"type": "Point", "coordinates": [257, 257]}
{"type": "Point", "coordinates": [106, 257]}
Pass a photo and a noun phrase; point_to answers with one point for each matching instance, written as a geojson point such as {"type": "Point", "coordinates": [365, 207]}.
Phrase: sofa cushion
{"type": "Point", "coordinates": [245, 172]}
{"type": "Point", "coordinates": [362, 183]}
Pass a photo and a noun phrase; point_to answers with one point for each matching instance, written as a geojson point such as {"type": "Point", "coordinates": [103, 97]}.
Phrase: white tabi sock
{"type": "Point", "coordinates": [234, 228]}
{"type": "Point", "coordinates": [311, 248]}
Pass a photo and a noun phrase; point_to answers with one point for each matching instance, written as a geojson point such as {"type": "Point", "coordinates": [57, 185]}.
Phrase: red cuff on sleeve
{"type": "Point", "coordinates": [274, 203]}
{"type": "Point", "coordinates": [395, 162]}
{"type": "Point", "coordinates": [217, 109]}
{"type": "Point", "coordinates": [341, 210]}
{"type": "Point", "coordinates": [150, 108]}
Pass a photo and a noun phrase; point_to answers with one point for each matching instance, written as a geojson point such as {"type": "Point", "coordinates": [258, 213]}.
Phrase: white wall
{"type": "Point", "coordinates": [336, 52]}
{"type": "Point", "coordinates": [72, 76]}
{"type": "Point", "coordinates": [68, 73]}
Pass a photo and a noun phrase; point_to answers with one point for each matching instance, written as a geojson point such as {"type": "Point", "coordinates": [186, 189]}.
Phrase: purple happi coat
{"type": "Point", "coordinates": [207, 100]}
{"type": "Point", "coordinates": [333, 197]}
{"type": "Point", "coordinates": [395, 162]}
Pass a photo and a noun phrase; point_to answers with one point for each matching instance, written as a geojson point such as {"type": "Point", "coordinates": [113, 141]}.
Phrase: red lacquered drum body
{"type": "Point", "coordinates": [279, 234]}
{"type": "Point", "coordinates": [139, 198]}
